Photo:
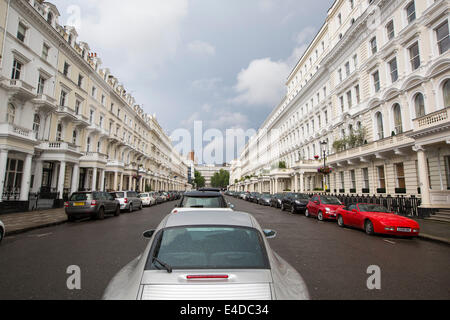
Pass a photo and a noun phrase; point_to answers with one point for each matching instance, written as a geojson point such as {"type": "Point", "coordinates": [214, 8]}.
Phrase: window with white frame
{"type": "Point", "coordinates": [442, 35]}
{"type": "Point", "coordinates": [381, 177]}
{"type": "Point", "coordinates": [373, 45]}
{"type": "Point", "coordinates": [398, 126]}
{"type": "Point", "coordinates": [376, 81]}
{"type": "Point", "coordinates": [353, 179]}
{"type": "Point", "coordinates": [45, 50]}
{"type": "Point", "coordinates": [36, 125]}
{"type": "Point", "coordinates": [365, 176]}
{"type": "Point", "coordinates": [419, 104]}
{"type": "Point", "coordinates": [446, 93]}
{"type": "Point", "coordinates": [380, 126]}
{"type": "Point", "coordinates": [21, 32]}
{"type": "Point", "coordinates": [62, 98]}
{"type": "Point", "coordinates": [400, 176]}
{"type": "Point", "coordinates": [393, 70]}
{"type": "Point", "coordinates": [41, 85]}
{"type": "Point", "coordinates": [414, 56]}
{"type": "Point", "coordinates": [390, 30]}
{"type": "Point", "coordinates": [411, 12]}
{"type": "Point", "coordinates": [59, 132]}
{"type": "Point", "coordinates": [16, 70]}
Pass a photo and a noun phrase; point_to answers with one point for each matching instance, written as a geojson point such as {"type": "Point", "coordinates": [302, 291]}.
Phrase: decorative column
{"type": "Point", "coordinates": [424, 183]}
{"type": "Point", "coordinates": [130, 182]}
{"type": "Point", "coordinates": [276, 185]}
{"type": "Point", "coordinates": [102, 180]}
{"type": "Point", "coordinates": [295, 182]}
{"type": "Point", "coordinates": [116, 178]}
{"type": "Point", "coordinates": [302, 187]}
{"type": "Point", "coordinates": [37, 176]}
{"type": "Point", "coordinates": [3, 162]}
{"type": "Point", "coordinates": [62, 175]}
{"type": "Point", "coordinates": [26, 178]}
{"type": "Point", "coordinates": [75, 177]}
{"type": "Point", "coordinates": [94, 179]}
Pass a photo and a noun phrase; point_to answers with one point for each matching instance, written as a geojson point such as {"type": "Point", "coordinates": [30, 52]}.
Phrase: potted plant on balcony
{"type": "Point", "coordinates": [325, 170]}
{"type": "Point", "coordinates": [316, 157]}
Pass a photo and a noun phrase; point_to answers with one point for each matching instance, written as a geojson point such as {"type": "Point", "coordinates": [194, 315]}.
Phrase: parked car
{"type": "Point", "coordinates": [294, 202]}
{"type": "Point", "coordinates": [275, 201]}
{"type": "Point", "coordinates": [374, 218]}
{"type": "Point", "coordinates": [323, 207]}
{"type": "Point", "coordinates": [93, 204]}
{"type": "Point", "coordinates": [252, 196]}
{"type": "Point", "coordinates": [208, 200]}
{"type": "Point", "coordinates": [207, 255]}
{"type": "Point", "coordinates": [264, 199]}
{"type": "Point", "coordinates": [244, 195]}
{"type": "Point", "coordinates": [157, 197]}
{"type": "Point", "coordinates": [147, 199]}
{"type": "Point", "coordinates": [2, 231]}
{"type": "Point", "coordinates": [129, 200]}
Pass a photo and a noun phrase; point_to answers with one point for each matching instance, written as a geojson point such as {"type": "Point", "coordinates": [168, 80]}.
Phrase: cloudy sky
{"type": "Point", "coordinates": [223, 62]}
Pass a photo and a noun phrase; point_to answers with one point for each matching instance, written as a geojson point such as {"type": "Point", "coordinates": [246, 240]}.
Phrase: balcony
{"type": "Point", "coordinates": [45, 102]}
{"type": "Point", "coordinates": [94, 157]}
{"type": "Point", "coordinates": [58, 146]}
{"type": "Point", "coordinates": [431, 123]}
{"type": "Point", "coordinates": [19, 89]}
{"type": "Point", "coordinates": [66, 113]}
{"type": "Point", "coordinates": [15, 131]}
{"type": "Point", "coordinates": [114, 163]}
{"type": "Point", "coordinates": [375, 148]}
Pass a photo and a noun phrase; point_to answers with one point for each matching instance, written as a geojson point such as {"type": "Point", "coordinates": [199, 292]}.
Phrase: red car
{"type": "Point", "coordinates": [323, 207]}
{"type": "Point", "coordinates": [374, 218]}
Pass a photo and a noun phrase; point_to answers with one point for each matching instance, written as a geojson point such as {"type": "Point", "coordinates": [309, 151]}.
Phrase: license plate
{"type": "Point", "coordinates": [404, 229]}
{"type": "Point", "coordinates": [78, 204]}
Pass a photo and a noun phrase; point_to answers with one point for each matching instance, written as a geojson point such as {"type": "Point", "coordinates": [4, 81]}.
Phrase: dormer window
{"type": "Point", "coordinates": [69, 39]}
{"type": "Point", "coordinates": [50, 17]}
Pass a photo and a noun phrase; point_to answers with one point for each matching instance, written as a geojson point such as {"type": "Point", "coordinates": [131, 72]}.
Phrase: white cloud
{"type": "Point", "coordinates": [201, 48]}
{"type": "Point", "coordinates": [262, 83]}
{"type": "Point", "coordinates": [142, 34]}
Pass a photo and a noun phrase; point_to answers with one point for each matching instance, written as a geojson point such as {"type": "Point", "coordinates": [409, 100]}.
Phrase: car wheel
{"type": "Point", "coordinates": [320, 216]}
{"type": "Point", "coordinates": [307, 213]}
{"type": "Point", "coordinates": [130, 209]}
{"type": "Point", "coordinates": [71, 218]}
{"type": "Point", "coordinates": [282, 207]}
{"type": "Point", "coordinates": [340, 221]}
{"type": "Point", "coordinates": [1, 234]}
{"type": "Point", "coordinates": [293, 211]}
{"type": "Point", "coordinates": [141, 206]}
{"type": "Point", "coordinates": [117, 212]}
{"type": "Point", "coordinates": [368, 226]}
{"type": "Point", "coordinates": [101, 214]}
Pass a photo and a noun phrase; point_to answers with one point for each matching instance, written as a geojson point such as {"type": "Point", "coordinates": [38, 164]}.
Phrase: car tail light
{"type": "Point", "coordinates": [93, 202]}
{"type": "Point", "coordinates": [66, 204]}
{"type": "Point", "coordinates": [125, 200]}
{"type": "Point", "coordinates": [207, 276]}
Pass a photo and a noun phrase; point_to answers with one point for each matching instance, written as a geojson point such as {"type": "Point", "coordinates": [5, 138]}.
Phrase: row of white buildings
{"type": "Point", "coordinates": [67, 123]}
{"type": "Point", "coordinates": [372, 93]}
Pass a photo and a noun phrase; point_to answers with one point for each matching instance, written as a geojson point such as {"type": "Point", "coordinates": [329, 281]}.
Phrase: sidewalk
{"type": "Point", "coordinates": [26, 221]}
{"type": "Point", "coordinates": [434, 230]}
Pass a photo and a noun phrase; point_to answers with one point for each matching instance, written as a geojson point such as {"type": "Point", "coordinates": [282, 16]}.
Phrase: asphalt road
{"type": "Point", "coordinates": [333, 261]}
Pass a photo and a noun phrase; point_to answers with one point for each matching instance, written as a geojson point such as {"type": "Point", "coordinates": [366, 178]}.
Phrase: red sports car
{"type": "Point", "coordinates": [374, 218]}
{"type": "Point", "coordinates": [323, 207]}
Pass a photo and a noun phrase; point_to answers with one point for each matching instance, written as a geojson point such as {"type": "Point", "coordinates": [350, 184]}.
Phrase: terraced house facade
{"type": "Point", "coordinates": [66, 124]}
{"type": "Point", "coordinates": [372, 94]}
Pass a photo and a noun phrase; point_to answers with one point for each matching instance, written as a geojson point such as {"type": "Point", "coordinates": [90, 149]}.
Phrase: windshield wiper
{"type": "Point", "coordinates": [165, 265]}
{"type": "Point", "coordinates": [196, 206]}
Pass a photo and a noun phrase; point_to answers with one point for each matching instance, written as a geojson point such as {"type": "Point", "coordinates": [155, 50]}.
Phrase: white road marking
{"type": "Point", "coordinates": [389, 241]}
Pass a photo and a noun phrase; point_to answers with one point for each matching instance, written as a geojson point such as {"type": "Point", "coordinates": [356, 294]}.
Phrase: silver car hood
{"type": "Point", "coordinates": [240, 285]}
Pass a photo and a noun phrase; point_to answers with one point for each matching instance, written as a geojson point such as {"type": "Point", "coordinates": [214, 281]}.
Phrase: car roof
{"type": "Point", "coordinates": [202, 194]}
{"type": "Point", "coordinates": [207, 217]}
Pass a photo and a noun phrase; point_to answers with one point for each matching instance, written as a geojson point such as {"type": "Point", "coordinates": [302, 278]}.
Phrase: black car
{"type": "Point", "coordinates": [294, 202]}
{"type": "Point", "coordinates": [264, 199]}
{"type": "Point", "coordinates": [275, 201]}
{"type": "Point", "coordinates": [202, 199]}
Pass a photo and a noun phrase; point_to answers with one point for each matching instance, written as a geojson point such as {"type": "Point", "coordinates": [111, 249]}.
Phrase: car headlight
{"type": "Point", "coordinates": [415, 230]}
{"type": "Point", "coordinates": [327, 209]}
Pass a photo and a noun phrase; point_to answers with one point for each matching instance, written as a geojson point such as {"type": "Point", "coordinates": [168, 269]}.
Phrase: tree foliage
{"type": "Point", "coordinates": [220, 179]}
{"type": "Point", "coordinates": [199, 180]}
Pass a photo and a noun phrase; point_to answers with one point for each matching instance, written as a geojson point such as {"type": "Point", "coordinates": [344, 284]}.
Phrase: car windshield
{"type": "Point", "coordinates": [212, 247]}
{"type": "Point", "coordinates": [330, 200]}
{"type": "Point", "coordinates": [372, 208]}
{"type": "Point", "coordinates": [81, 197]}
{"type": "Point", "coordinates": [202, 202]}
{"type": "Point", "coordinates": [143, 195]}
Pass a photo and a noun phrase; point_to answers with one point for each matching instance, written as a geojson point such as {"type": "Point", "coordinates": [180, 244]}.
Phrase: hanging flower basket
{"type": "Point", "coordinates": [325, 170]}
{"type": "Point", "coordinates": [137, 177]}
{"type": "Point", "coordinates": [316, 157]}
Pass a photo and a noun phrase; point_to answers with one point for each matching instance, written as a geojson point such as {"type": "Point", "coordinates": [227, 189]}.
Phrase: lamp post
{"type": "Point", "coordinates": [324, 144]}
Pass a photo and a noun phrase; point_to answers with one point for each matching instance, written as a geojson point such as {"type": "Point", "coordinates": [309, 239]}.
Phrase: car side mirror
{"type": "Point", "coordinates": [316, 202]}
{"type": "Point", "coordinates": [270, 234]}
{"type": "Point", "coordinates": [354, 211]}
{"type": "Point", "coordinates": [148, 234]}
